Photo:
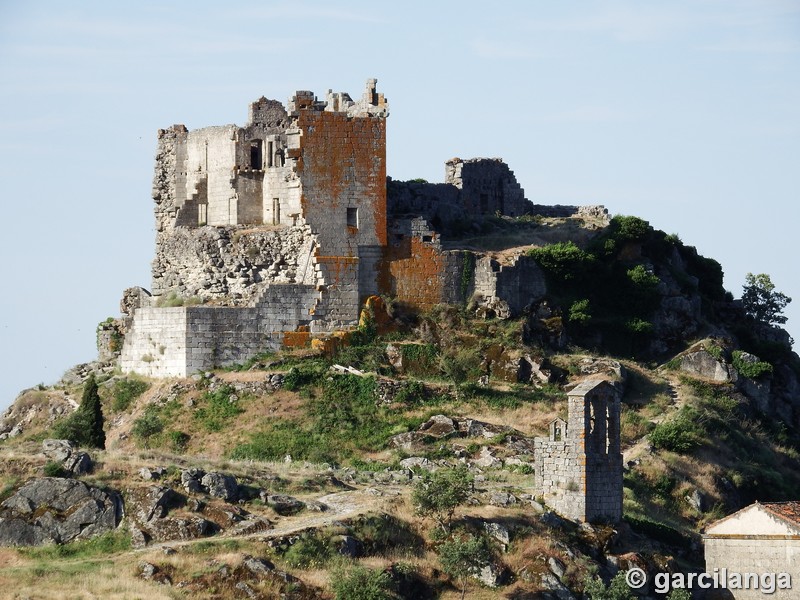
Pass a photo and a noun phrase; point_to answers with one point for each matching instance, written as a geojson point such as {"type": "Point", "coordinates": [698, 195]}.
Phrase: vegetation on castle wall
{"type": "Point", "coordinates": [467, 274]}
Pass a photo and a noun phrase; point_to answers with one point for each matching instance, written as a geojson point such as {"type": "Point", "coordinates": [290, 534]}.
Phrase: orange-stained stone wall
{"type": "Point", "coordinates": [419, 273]}
{"type": "Point", "coordinates": [341, 163]}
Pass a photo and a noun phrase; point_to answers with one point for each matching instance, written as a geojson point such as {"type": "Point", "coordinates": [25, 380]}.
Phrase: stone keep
{"type": "Point", "coordinates": [579, 465]}
{"type": "Point", "coordinates": [275, 227]}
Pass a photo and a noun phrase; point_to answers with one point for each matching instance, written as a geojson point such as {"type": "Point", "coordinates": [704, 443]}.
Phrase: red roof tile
{"type": "Point", "coordinates": [788, 511]}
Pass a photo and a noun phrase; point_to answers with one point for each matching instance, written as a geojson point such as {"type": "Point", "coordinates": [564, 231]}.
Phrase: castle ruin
{"type": "Point", "coordinates": [270, 234]}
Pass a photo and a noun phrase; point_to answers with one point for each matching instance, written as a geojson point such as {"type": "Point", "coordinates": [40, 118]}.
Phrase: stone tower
{"type": "Point", "coordinates": [579, 466]}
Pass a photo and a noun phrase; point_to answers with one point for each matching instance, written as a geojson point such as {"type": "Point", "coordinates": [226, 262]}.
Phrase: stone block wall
{"type": "Point", "coordinates": [560, 476]}
{"type": "Point", "coordinates": [341, 164]}
{"type": "Point", "coordinates": [755, 554]}
{"type": "Point", "coordinates": [155, 345]}
{"type": "Point", "coordinates": [179, 341]}
{"type": "Point", "coordinates": [472, 188]}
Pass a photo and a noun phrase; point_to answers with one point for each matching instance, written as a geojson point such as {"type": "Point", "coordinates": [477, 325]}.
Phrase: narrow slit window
{"type": "Point", "coordinates": [276, 211]}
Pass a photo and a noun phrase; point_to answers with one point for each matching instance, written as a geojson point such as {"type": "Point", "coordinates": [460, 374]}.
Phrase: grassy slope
{"type": "Point", "coordinates": [732, 456]}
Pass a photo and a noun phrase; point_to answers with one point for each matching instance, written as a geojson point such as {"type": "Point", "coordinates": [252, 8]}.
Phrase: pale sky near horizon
{"type": "Point", "coordinates": [685, 113]}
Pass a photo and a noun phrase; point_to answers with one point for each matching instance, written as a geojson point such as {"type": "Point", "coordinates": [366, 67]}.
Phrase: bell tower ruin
{"type": "Point", "coordinates": [579, 465]}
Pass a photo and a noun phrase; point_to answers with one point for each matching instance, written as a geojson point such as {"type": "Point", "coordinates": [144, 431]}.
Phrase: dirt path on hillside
{"type": "Point", "coordinates": [641, 446]}
{"type": "Point", "coordinates": [339, 506]}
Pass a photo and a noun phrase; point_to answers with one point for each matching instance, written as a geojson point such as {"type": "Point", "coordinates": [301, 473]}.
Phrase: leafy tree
{"type": "Point", "coordinates": [761, 301]}
{"type": "Point", "coordinates": [438, 494]}
{"type": "Point", "coordinates": [361, 583]}
{"type": "Point", "coordinates": [462, 556]}
{"type": "Point", "coordinates": [85, 425]}
{"type": "Point", "coordinates": [617, 588]}
{"type": "Point", "coordinates": [679, 595]}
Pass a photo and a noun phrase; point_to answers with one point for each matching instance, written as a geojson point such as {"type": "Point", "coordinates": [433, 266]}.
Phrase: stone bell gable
{"type": "Point", "coordinates": [579, 465]}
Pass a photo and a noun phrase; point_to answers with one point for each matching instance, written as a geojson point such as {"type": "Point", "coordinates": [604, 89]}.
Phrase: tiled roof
{"type": "Point", "coordinates": [788, 511]}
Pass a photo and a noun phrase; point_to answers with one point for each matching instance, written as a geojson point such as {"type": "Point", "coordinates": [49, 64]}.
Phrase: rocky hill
{"type": "Point", "coordinates": [298, 474]}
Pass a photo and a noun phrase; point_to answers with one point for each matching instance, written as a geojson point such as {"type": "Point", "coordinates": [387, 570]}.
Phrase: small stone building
{"type": "Point", "coordinates": [745, 548]}
{"type": "Point", "coordinates": [579, 465]}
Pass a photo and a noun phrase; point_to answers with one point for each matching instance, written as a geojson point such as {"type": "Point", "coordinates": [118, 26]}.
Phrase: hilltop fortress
{"type": "Point", "coordinates": [276, 232]}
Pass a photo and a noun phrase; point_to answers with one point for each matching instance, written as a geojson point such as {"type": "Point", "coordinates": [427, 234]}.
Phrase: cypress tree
{"type": "Point", "coordinates": [85, 425]}
{"type": "Point", "coordinates": [92, 410]}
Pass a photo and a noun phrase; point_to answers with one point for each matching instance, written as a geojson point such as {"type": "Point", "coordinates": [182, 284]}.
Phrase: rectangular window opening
{"type": "Point", "coordinates": [256, 160]}
{"type": "Point", "coordinates": [352, 217]}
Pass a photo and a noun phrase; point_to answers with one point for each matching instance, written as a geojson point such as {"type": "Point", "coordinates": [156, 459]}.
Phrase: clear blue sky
{"type": "Point", "coordinates": [686, 113]}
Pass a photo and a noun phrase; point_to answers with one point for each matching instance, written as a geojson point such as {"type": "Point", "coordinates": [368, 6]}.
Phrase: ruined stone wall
{"type": "Point", "coordinates": [179, 341]}
{"type": "Point", "coordinates": [517, 284]}
{"type": "Point", "coordinates": [230, 265]}
{"type": "Point", "coordinates": [559, 476]}
{"type": "Point", "coordinates": [165, 177]}
{"type": "Point", "coordinates": [588, 211]}
{"type": "Point", "coordinates": [487, 187]}
{"type": "Point", "coordinates": [341, 163]}
{"type": "Point", "coordinates": [755, 554]}
{"type": "Point", "coordinates": [420, 273]}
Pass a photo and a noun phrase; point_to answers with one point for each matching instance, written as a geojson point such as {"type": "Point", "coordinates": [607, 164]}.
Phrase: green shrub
{"type": "Point", "coordinates": [85, 425]}
{"type": "Point", "coordinates": [309, 551]}
{"type": "Point", "coordinates": [563, 261]}
{"type": "Point", "coordinates": [438, 494]}
{"type": "Point", "coordinates": [617, 589]}
{"type": "Point", "coordinates": [383, 533]}
{"type": "Point", "coordinates": [360, 583]}
{"type": "Point", "coordinates": [629, 229]}
{"type": "Point", "coordinates": [420, 359]}
{"type": "Point", "coordinates": [412, 393]}
{"type": "Point", "coordinates": [639, 326]}
{"type": "Point", "coordinates": [302, 376]}
{"type": "Point", "coordinates": [147, 426]}
{"type": "Point", "coordinates": [462, 556]}
{"type": "Point", "coordinates": [178, 440]}
{"type": "Point", "coordinates": [750, 369]}
{"type": "Point", "coordinates": [54, 469]}
{"type": "Point", "coordinates": [681, 434]}
{"type": "Point", "coordinates": [126, 391]}
{"type": "Point", "coordinates": [217, 408]}
{"type": "Point", "coordinates": [579, 312]}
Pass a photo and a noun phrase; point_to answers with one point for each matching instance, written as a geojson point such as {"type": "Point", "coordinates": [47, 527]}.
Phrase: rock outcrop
{"type": "Point", "coordinates": [54, 510]}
